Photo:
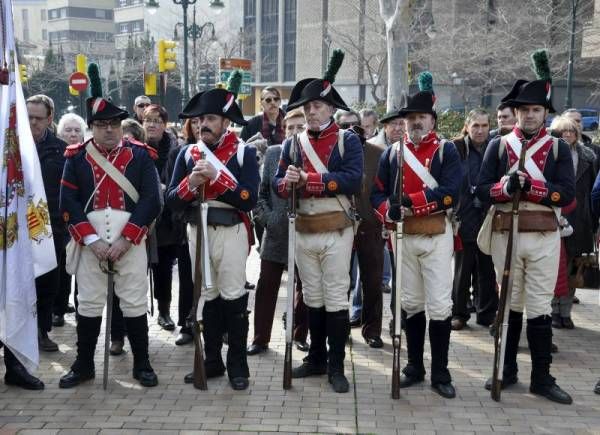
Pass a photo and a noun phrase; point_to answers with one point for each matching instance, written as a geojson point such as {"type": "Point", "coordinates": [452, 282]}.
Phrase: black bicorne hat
{"type": "Point", "coordinates": [390, 116]}
{"type": "Point", "coordinates": [535, 92]}
{"type": "Point", "coordinates": [424, 100]}
{"type": "Point", "coordinates": [99, 109]}
{"type": "Point", "coordinates": [312, 89]}
{"type": "Point", "coordinates": [214, 102]}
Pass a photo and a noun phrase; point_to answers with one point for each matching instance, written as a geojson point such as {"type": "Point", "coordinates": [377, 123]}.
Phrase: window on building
{"type": "Point", "coordinates": [249, 35]}
{"type": "Point", "coordinates": [54, 14]}
{"type": "Point", "coordinates": [44, 34]}
{"type": "Point", "coordinates": [25, 18]}
{"type": "Point", "coordinates": [123, 27]}
{"type": "Point", "coordinates": [138, 26]}
{"type": "Point", "coordinates": [289, 41]}
{"type": "Point", "coordinates": [269, 40]}
{"type": "Point", "coordinates": [43, 15]}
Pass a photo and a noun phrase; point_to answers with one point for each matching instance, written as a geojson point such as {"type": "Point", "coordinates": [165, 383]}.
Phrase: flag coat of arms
{"type": "Point", "coordinates": [26, 245]}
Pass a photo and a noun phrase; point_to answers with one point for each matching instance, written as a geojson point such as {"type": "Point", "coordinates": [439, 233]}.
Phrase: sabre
{"type": "Point", "coordinates": [110, 289]}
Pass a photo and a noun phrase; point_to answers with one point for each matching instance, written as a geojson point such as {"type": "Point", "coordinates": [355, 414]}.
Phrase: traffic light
{"type": "Point", "coordinates": [409, 71]}
{"type": "Point", "coordinates": [166, 55]}
{"type": "Point", "coordinates": [81, 63]}
{"type": "Point", "coordinates": [23, 73]}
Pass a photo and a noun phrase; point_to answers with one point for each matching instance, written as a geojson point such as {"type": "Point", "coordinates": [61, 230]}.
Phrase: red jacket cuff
{"type": "Point", "coordinates": [133, 233]}
{"type": "Point", "coordinates": [314, 183]}
{"type": "Point", "coordinates": [79, 231]}
{"type": "Point", "coordinates": [497, 192]}
{"type": "Point", "coordinates": [538, 191]}
{"type": "Point", "coordinates": [381, 211]}
{"type": "Point", "coordinates": [222, 183]}
{"type": "Point", "coordinates": [184, 192]}
{"type": "Point", "coordinates": [420, 205]}
{"type": "Point", "coordinates": [282, 188]}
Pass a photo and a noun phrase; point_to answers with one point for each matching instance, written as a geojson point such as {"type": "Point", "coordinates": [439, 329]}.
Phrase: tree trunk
{"type": "Point", "coordinates": [396, 16]}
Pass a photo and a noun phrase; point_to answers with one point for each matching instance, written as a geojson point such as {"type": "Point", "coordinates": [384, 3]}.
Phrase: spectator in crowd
{"type": "Point", "coordinates": [346, 118]}
{"type": "Point", "coordinates": [575, 115]}
{"type": "Point", "coordinates": [271, 212]}
{"type": "Point", "coordinates": [580, 217]}
{"type": "Point", "coordinates": [71, 128]}
{"type": "Point", "coordinates": [269, 122]}
{"type": "Point", "coordinates": [506, 118]}
{"type": "Point", "coordinates": [369, 122]}
{"type": "Point", "coordinates": [50, 152]}
{"type": "Point", "coordinates": [133, 130]}
{"type": "Point", "coordinates": [471, 266]}
{"type": "Point", "coordinates": [139, 105]}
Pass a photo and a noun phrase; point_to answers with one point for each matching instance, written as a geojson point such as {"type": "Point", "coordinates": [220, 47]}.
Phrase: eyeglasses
{"type": "Point", "coordinates": [346, 125]}
{"type": "Point", "coordinates": [103, 125]}
{"type": "Point", "coordinates": [157, 121]}
{"type": "Point", "coordinates": [268, 100]}
{"type": "Point", "coordinates": [37, 118]}
{"type": "Point", "coordinates": [142, 105]}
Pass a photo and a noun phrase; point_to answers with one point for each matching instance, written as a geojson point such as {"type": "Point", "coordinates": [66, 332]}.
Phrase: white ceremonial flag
{"type": "Point", "coordinates": [26, 245]}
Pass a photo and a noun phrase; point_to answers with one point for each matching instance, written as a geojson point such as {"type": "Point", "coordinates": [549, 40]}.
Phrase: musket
{"type": "Point", "coordinates": [110, 290]}
{"type": "Point", "coordinates": [289, 324]}
{"type": "Point", "coordinates": [506, 287]}
{"type": "Point", "coordinates": [196, 314]}
{"type": "Point", "coordinates": [397, 335]}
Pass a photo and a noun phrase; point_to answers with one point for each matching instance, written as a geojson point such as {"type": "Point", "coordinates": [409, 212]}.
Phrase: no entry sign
{"type": "Point", "coordinates": [79, 81]}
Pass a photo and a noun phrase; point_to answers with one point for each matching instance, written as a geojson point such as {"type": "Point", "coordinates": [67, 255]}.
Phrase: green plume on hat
{"type": "Point", "coordinates": [541, 64]}
{"type": "Point", "coordinates": [335, 62]}
{"type": "Point", "coordinates": [425, 81]}
{"type": "Point", "coordinates": [234, 83]}
{"type": "Point", "coordinates": [95, 82]}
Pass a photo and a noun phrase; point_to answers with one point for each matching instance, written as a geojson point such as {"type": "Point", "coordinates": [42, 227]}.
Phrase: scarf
{"type": "Point", "coordinates": [274, 134]}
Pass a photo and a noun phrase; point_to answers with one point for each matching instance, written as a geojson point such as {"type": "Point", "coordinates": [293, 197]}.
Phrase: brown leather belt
{"type": "Point", "coordinates": [322, 222]}
{"type": "Point", "coordinates": [530, 221]}
{"type": "Point", "coordinates": [428, 225]}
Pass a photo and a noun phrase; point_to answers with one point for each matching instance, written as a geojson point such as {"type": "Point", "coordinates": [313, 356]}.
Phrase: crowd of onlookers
{"type": "Point", "coordinates": [475, 289]}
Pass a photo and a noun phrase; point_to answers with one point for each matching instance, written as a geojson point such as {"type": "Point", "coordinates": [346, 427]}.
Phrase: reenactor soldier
{"type": "Point", "coordinates": [547, 183]}
{"type": "Point", "coordinates": [110, 195]}
{"type": "Point", "coordinates": [225, 169]}
{"type": "Point", "coordinates": [430, 185]}
{"type": "Point", "coordinates": [325, 164]}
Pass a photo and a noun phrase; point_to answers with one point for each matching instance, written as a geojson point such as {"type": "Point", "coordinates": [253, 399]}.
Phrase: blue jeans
{"type": "Point", "coordinates": [387, 267]}
{"type": "Point", "coordinates": [355, 289]}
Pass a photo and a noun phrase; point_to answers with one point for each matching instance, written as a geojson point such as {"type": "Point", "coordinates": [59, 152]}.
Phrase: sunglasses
{"type": "Point", "coordinates": [142, 105]}
{"type": "Point", "coordinates": [269, 100]}
{"type": "Point", "coordinates": [346, 125]}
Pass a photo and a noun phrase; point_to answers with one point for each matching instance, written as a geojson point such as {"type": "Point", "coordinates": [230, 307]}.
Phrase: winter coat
{"type": "Point", "coordinates": [167, 231]}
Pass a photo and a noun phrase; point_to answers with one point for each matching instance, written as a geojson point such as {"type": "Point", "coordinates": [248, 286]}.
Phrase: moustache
{"type": "Point", "coordinates": [206, 130]}
{"type": "Point", "coordinates": [417, 127]}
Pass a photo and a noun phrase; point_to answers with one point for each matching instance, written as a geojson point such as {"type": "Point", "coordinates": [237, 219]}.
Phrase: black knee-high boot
{"type": "Point", "coordinates": [414, 371]}
{"type": "Point", "coordinates": [338, 328]}
{"type": "Point", "coordinates": [137, 332]}
{"type": "Point", "coordinates": [439, 338]}
{"type": "Point", "coordinates": [213, 327]}
{"type": "Point", "coordinates": [16, 373]}
{"type": "Point", "coordinates": [88, 330]}
{"type": "Point", "coordinates": [539, 336]}
{"type": "Point", "coordinates": [236, 325]}
{"type": "Point", "coordinates": [513, 336]}
{"type": "Point", "coordinates": [315, 363]}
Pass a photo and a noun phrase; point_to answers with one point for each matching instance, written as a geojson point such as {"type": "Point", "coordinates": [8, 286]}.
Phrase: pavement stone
{"type": "Point", "coordinates": [311, 406]}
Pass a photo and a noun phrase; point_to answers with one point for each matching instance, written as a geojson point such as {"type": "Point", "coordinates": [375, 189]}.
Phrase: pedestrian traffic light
{"type": "Point", "coordinates": [166, 55]}
{"type": "Point", "coordinates": [23, 73]}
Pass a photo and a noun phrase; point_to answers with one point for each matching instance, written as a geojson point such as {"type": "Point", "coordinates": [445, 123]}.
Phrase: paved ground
{"type": "Point", "coordinates": [311, 407]}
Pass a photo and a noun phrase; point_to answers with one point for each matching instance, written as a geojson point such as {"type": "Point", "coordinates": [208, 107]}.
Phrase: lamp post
{"type": "Point", "coordinates": [569, 97]}
{"type": "Point", "coordinates": [194, 32]}
{"type": "Point", "coordinates": [152, 6]}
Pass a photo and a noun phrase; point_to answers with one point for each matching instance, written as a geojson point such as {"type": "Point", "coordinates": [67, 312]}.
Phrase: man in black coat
{"type": "Point", "coordinates": [50, 152]}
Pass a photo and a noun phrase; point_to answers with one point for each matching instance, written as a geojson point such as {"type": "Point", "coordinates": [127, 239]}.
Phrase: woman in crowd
{"type": "Point", "coordinates": [579, 215]}
{"type": "Point", "coordinates": [71, 128]}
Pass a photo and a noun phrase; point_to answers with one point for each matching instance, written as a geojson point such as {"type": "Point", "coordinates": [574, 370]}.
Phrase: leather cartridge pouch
{"type": "Point", "coordinates": [425, 225]}
{"type": "Point", "coordinates": [322, 222]}
{"type": "Point", "coordinates": [530, 221]}
{"type": "Point", "coordinates": [223, 217]}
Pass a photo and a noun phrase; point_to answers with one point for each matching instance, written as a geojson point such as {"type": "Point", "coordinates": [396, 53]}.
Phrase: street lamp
{"type": "Point", "coordinates": [216, 5]}
{"type": "Point", "coordinates": [568, 99]}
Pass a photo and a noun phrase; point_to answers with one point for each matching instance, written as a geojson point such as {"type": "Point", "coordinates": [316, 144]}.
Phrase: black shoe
{"type": "Point", "coordinates": [189, 378]}
{"type": "Point", "coordinates": [72, 379]}
{"type": "Point", "coordinates": [385, 288]}
{"type": "Point", "coordinates": [552, 392]}
{"type": "Point", "coordinates": [567, 323]}
{"type": "Point", "coordinates": [70, 309]}
{"type": "Point", "coordinates": [374, 342]}
{"type": "Point", "coordinates": [116, 347]}
{"type": "Point", "coordinates": [507, 381]}
{"type": "Point", "coordinates": [165, 322]}
{"type": "Point", "coordinates": [338, 382]}
{"type": "Point", "coordinates": [302, 346]}
{"type": "Point", "coordinates": [457, 323]}
{"type": "Point", "coordinates": [249, 286]}
{"type": "Point", "coordinates": [355, 322]}
{"type": "Point", "coordinates": [554, 348]}
{"type": "Point", "coordinates": [557, 321]}
{"type": "Point", "coordinates": [485, 322]}
{"type": "Point", "coordinates": [576, 300]}
{"type": "Point", "coordinates": [46, 344]}
{"type": "Point", "coordinates": [445, 390]}
{"type": "Point", "coordinates": [409, 380]}
{"type": "Point", "coordinates": [308, 369]}
{"type": "Point", "coordinates": [58, 320]}
{"type": "Point", "coordinates": [255, 349]}
{"type": "Point", "coordinates": [493, 329]}
{"type": "Point", "coordinates": [20, 377]}
{"type": "Point", "coordinates": [183, 338]}
{"type": "Point", "coordinates": [597, 388]}
{"type": "Point", "coordinates": [239, 383]}
{"type": "Point", "coordinates": [146, 376]}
